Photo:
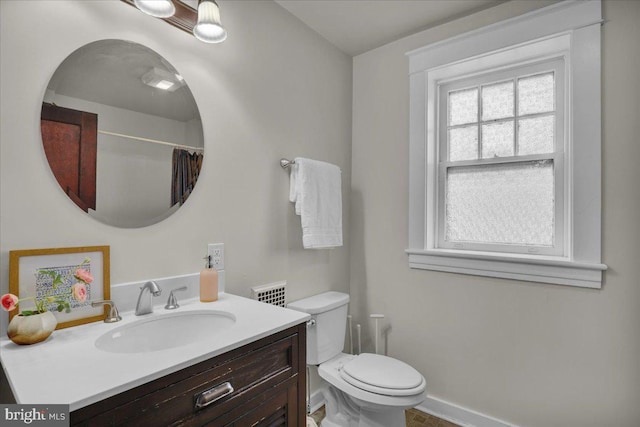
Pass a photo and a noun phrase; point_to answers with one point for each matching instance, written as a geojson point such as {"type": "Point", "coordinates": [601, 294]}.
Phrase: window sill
{"type": "Point", "coordinates": [544, 269]}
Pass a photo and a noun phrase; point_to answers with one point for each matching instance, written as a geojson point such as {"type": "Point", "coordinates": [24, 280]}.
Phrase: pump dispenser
{"type": "Point", "coordinates": [208, 282]}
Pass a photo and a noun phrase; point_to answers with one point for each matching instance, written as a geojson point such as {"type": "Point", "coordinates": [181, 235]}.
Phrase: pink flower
{"type": "Point", "coordinates": [9, 302]}
{"type": "Point", "coordinates": [83, 275]}
{"type": "Point", "coordinates": [79, 291]}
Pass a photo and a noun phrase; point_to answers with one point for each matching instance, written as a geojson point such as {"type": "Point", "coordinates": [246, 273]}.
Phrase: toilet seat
{"type": "Point", "coordinates": [371, 372]}
{"type": "Point", "coordinates": [330, 371]}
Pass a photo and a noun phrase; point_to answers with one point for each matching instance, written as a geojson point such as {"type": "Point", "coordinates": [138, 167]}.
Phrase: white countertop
{"type": "Point", "coordinates": [68, 368]}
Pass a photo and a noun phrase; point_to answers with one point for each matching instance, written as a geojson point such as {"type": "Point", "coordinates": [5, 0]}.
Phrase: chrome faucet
{"type": "Point", "coordinates": [145, 305]}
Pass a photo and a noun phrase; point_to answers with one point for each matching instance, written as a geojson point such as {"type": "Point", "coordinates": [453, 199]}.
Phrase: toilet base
{"type": "Point", "coordinates": [342, 411]}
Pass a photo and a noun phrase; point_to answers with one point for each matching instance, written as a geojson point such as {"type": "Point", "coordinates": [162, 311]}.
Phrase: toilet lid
{"type": "Point", "coordinates": [382, 375]}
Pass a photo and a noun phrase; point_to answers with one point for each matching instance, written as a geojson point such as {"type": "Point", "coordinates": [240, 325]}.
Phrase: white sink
{"type": "Point", "coordinates": [165, 331]}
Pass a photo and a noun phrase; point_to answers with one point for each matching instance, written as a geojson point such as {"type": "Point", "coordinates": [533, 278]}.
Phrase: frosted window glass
{"type": "Point", "coordinates": [503, 204]}
{"type": "Point", "coordinates": [497, 101]}
{"type": "Point", "coordinates": [497, 140]}
{"type": "Point", "coordinates": [463, 107]}
{"type": "Point", "coordinates": [536, 94]}
{"type": "Point", "coordinates": [463, 143]}
{"type": "Point", "coordinates": [535, 135]}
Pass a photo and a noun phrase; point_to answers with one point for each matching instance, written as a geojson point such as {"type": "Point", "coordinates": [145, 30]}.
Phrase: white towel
{"type": "Point", "coordinates": [316, 190]}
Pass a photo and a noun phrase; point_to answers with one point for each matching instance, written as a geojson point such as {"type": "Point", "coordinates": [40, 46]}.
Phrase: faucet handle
{"type": "Point", "coordinates": [172, 303]}
{"type": "Point", "coordinates": [113, 316]}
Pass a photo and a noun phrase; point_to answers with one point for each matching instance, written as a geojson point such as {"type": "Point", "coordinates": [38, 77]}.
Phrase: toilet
{"type": "Point", "coordinates": [366, 390]}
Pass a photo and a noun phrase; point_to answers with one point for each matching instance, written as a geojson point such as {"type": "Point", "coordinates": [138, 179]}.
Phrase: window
{"type": "Point", "coordinates": [505, 149]}
{"type": "Point", "coordinates": [500, 171]}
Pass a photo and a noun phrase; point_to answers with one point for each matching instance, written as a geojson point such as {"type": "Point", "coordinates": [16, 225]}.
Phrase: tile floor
{"type": "Point", "coordinates": [415, 418]}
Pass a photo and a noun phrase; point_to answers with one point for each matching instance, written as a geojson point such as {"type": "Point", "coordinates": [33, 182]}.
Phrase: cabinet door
{"type": "Point", "coordinates": [280, 409]}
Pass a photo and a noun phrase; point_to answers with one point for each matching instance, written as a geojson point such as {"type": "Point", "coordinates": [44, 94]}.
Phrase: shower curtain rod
{"type": "Point", "coordinates": [154, 141]}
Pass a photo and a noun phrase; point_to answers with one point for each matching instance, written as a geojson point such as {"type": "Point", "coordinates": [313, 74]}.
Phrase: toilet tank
{"type": "Point", "coordinates": [325, 338]}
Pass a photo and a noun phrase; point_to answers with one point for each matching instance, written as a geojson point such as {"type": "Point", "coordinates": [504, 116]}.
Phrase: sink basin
{"type": "Point", "coordinates": [165, 332]}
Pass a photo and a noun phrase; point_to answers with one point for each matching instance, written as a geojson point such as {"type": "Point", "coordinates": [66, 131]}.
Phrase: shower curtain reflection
{"type": "Point", "coordinates": [186, 168]}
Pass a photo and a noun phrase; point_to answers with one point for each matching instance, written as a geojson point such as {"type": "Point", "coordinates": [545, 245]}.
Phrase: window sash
{"type": "Point", "coordinates": [558, 223]}
{"type": "Point", "coordinates": [512, 73]}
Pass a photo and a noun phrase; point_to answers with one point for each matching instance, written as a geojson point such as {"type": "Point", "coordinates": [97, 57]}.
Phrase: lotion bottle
{"type": "Point", "coordinates": [208, 283]}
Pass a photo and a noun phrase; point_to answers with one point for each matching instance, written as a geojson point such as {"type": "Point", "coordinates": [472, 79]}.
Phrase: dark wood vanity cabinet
{"type": "Point", "coordinates": [260, 384]}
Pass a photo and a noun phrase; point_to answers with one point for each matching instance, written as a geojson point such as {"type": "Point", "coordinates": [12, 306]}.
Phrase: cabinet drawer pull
{"type": "Point", "coordinates": [213, 394]}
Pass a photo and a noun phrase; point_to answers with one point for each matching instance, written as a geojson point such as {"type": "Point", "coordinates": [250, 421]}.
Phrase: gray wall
{"type": "Point", "coordinates": [528, 353]}
{"type": "Point", "coordinates": [273, 89]}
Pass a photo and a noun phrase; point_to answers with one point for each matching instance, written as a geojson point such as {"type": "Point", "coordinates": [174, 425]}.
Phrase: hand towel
{"type": "Point", "coordinates": [316, 190]}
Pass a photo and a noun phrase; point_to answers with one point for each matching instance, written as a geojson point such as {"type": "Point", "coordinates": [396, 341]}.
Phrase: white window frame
{"type": "Point", "coordinates": [569, 30]}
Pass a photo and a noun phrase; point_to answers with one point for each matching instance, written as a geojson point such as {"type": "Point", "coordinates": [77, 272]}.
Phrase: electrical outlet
{"type": "Point", "coordinates": [216, 252]}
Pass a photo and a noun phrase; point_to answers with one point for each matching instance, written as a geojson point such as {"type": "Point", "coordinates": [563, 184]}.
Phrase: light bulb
{"type": "Point", "coordinates": [157, 8]}
{"type": "Point", "coordinates": [208, 28]}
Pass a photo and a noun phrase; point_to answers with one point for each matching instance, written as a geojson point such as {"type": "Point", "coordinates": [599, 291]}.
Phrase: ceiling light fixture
{"type": "Point", "coordinates": [157, 8]}
{"type": "Point", "coordinates": [208, 27]}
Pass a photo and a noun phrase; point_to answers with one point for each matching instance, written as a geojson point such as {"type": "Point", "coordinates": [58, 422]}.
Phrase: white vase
{"type": "Point", "coordinates": [25, 330]}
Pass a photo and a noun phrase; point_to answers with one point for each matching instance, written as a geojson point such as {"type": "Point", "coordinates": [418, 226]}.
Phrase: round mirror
{"type": "Point", "coordinates": [122, 133]}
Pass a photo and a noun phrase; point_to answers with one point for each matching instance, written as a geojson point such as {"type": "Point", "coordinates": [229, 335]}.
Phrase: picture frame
{"type": "Point", "coordinates": [26, 279]}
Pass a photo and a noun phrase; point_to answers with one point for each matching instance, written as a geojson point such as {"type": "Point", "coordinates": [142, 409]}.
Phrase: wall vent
{"type": "Point", "coordinates": [273, 293]}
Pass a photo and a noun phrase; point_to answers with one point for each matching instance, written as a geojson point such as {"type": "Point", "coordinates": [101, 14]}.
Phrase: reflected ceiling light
{"type": "Point", "coordinates": [157, 8]}
{"type": "Point", "coordinates": [208, 27]}
{"type": "Point", "coordinates": [162, 79]}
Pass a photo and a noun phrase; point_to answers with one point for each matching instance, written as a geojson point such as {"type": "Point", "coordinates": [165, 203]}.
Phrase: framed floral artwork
{"type": "Point", "coordinates": [62, 280]}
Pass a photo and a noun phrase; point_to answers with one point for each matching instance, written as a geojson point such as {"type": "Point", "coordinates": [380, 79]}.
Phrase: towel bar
{"type": "Point", "coordinates": [285, 163]}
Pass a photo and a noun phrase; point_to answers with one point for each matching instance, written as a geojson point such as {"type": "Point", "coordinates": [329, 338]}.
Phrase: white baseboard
{"type": "Point", "coordinates": [316, 401]}
{"type": "Point", "coordinates": [438, 408]}
{"type": "Point", "coordinates": [459, 415]}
